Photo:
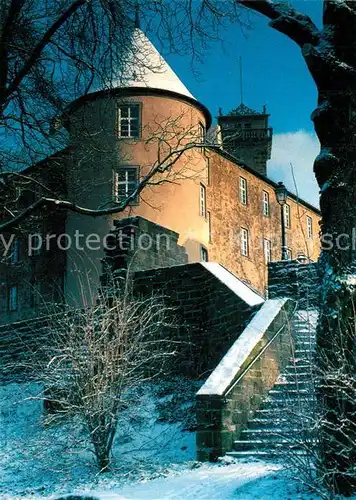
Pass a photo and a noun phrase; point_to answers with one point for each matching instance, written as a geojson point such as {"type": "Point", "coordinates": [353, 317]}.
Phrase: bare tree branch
{"type": "Point", "coordinates": [284, 18]}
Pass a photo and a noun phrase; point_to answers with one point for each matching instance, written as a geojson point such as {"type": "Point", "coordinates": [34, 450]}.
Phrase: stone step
{"type": "Point", "coordinates": [262, 444]}
{"type": "Point", "coordinates": [303, 353]}
{"type": "Point", "coordinates": [304, 323]}
{"type": "Point", "coordinates": [300, 365]}
{"type": "Point", "coordinates": [277, 433]}
{"type": "Point", "coordinates": [305, 349]}
{"type": "Point", "coordinates": [305, 341]}
{"type": "Point", "coordinates": [269, 423]}
{"type": "Point", "coordinates": [271, 413]}
{"type": "Point", "coordinates": [251, 453]}
{"type": "Point", "coordinates": [289, 394]}
{"type": "Point", "coordinates": [298, 375]}
{"type": "Point", "coordinates": [303, 332]}
{"type": "Point", "coordinates": [279, 415]}
{"type": "Point", "coordinates": [292, 385]}
{"type": "Point", "coordinates": [285, 402]}
{"type": "Point", "coordinates": [260, 453]}
{"type": "Point", "coordinates": [299, 421]}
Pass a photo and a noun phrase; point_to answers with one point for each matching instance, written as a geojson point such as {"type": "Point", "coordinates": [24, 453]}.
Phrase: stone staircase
{"type": "Point", "coordinates": [285, 421]}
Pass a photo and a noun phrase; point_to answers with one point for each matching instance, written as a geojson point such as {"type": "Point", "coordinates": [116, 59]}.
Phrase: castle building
{"type": "Point", "coordinates": [212, 189]}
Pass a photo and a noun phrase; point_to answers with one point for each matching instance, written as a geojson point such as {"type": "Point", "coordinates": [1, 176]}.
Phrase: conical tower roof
{"type": "Point", "coordinates": [144, 67]}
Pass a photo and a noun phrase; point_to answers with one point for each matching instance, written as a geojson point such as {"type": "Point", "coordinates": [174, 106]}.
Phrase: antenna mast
{"type": "Point", "coordinates": [137, 16]}
{"type": "Point", "coordinates": [241, 87]}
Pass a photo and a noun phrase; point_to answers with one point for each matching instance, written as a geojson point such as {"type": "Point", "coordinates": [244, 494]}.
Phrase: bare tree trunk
{"type": "Point", "coordinates": [330, 55]}
{"type": "Point", "coordinates": [335, 170]}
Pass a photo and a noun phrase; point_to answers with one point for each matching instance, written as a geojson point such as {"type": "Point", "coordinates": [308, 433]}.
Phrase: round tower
{"type": "Point", "coordinates": [147, 123]}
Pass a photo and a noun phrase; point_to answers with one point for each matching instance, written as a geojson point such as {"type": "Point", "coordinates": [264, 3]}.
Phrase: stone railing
{"type": "Point", "coordinates": [239, 383]}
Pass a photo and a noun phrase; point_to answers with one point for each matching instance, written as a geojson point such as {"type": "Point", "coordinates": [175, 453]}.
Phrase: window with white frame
{"type": "Point", "coordinates": [265, 203]}
{"type": "Point", "coordinates": [309, 227]}
{"type": "Point", "coordinates": [244, 241]}
{"type": "Point", "coordinates": [202, 200]}
{"type": "Point", "coordinates": [204, 254]}
{"type": "Point", "coordinates": [286, 212]}
{"type": "Point", "coordinates": [243, 190]}
{"type": "Point", "coordinates": [129, 120]}
{"type": "Point", "coordinates": [15, 252]}
{"type": "Point", "coordinates": [125, 183]}
{"type": "Point", "coordinates": [267, 250]}
{"type": "Point", "coordinates": [289, 253]}
{"type": "Point", "coordinates": [12, 298]}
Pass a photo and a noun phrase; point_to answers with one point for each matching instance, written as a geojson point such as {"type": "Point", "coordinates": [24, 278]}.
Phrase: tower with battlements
{"type": "Point", "coordinates": [247, 136]}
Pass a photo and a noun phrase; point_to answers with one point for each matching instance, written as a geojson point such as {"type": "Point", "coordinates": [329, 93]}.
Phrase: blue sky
{"type": "Point", "coordinates": [275, 74]}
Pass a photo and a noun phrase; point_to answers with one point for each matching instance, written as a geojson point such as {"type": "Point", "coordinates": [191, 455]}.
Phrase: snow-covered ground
{"type": "Point", "coordinates": [38, 459]}
{"type": "Point", "coordinates": [240, 481]}
{"type": "Point", "coordinates": [154, 457]}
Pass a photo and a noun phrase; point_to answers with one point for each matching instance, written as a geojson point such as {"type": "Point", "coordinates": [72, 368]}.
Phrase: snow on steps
{"type": "Point", "coordinates": [283, 422]}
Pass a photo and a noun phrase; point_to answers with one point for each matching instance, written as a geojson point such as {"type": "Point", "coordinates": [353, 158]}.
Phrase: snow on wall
{"type": "Point", "coordinates": [237, 286]}
{"type": "Point", "coordinates": [221, 378]}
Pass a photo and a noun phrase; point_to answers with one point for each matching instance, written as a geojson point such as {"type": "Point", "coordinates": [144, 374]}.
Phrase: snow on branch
{"type": "Point", "coordinates": [284, 18]}
{"type": "Point", "coordinates": [321, 56]}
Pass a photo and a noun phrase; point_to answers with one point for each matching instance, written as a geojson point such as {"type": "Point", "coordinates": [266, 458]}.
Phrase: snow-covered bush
{"type": "Point", "coordinates": [93, 361]}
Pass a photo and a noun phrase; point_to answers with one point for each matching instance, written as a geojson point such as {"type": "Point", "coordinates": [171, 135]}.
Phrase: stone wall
{"type": "Point", "coordinates": [139, 244]}
{"type": "Point", "coordinates": [228, 215]}
{"type": "Point", "coordinates": [209, 315]}
{"type": "Point", "coordinates": [295, 280]}
{"type": "Point", "coordinates": [238, 385]}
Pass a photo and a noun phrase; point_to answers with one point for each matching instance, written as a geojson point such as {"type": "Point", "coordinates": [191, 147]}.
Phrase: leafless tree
{"type": "Point", "coordinates": [329, 54]}
{"type": "Point", "coordinates": [55, 51]}
{"type": "Point", "coordinates": [35, 35]}
{"type": "Point", "coordinates": [310, 425]}
{"type": "Point", "coordinates": [92, 361]}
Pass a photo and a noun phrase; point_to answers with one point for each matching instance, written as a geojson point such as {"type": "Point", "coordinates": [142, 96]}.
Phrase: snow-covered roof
{"type": "Point", "coordinates": [237, 286]}
{"type": "Point", "coordinates": [146, 68]}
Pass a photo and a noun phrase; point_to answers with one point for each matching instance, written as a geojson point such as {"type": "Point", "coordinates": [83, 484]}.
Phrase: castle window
{"type": "Point", "coordinates": [12, 298]}
{"type": "Point", "coordinates": [243, 191]}
{"type": "Point", "coordinates": [267, 249]}
{"type": "Point", "coordinates": [204, 254]}
{"type": "Point", "coordinates": [15, 252]}
{"type": "Point", "coordinates": [286, 213]}
{"type": "Point", "coordinates": [202, 201]}
{"type": "Point", "coordinates": [201, 137]}
{"type": "Point", "coordinates": [265, 203]}
{"type": "Point", "coordinates": [289, 254]}
{"type": "Point", "coordinates": [129, 120]}
{"type": "Point", "coordinates": [244, 241]}
{"type": "Point", "coordinates": [125, 183]}
{"type": "Point", "coordinates": [309, 227]}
